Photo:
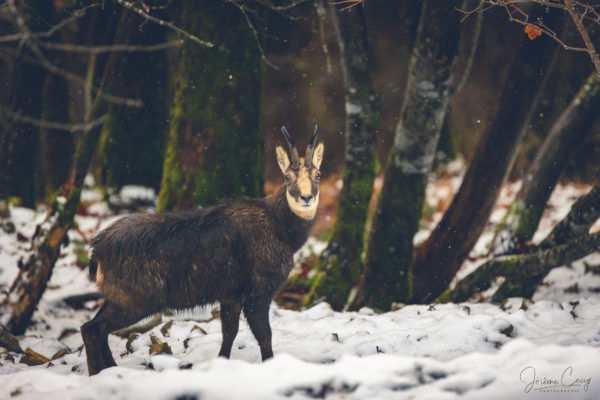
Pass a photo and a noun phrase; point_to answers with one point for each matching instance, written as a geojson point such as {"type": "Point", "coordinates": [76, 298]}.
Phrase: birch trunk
{"type": "Point", "coordinates": [388, 276]}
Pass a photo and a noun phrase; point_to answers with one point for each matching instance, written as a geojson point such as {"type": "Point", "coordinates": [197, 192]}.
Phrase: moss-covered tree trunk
{"type": "Point", "coordinates": [55, 147]}
{"type": "Point", "coordinates": [568, 241]}
{"type": "Point", "coordinates": [215, 142]}
{"type": "Point", "coordinates": [132, 143]}
{"type": "Point", "coordinates": [389, 254]}
{"type": "Point", "coordinates": [439, 258]}
{"type": "Point", "coordinates": [566, 134]}
{"type": "Point", "coordinates": [341, 262]}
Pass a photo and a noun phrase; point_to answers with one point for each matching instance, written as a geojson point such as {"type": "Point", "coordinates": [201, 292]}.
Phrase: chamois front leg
{"type": "Point", "coordinates": [257, 314]}
{"type": "Point", "coordinates": [230, 321]}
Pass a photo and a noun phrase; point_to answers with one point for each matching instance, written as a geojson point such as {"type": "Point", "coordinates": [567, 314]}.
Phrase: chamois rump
{"type": "Point", "coordinates": [238, 253]}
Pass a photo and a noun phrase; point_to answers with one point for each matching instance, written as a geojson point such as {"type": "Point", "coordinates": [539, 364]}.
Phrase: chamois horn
{"type": "Point", "coordinates": [293, 149]}
{"type": "Point", "coordinates": [311, 147]}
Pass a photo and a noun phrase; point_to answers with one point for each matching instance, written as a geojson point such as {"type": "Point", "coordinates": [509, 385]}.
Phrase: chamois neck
{"type": "Point", "coordinates": [290, 228]}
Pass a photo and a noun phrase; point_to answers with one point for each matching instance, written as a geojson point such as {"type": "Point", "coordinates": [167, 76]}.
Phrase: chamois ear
{"type": "Point", "coordinates": [318, 155]}
{"type": "Point", "coordinates": [282, 158]}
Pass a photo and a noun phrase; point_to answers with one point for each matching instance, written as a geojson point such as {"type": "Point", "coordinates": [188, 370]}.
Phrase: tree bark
{"type": "Point", "coordinates": [215, 142]}
{"type": "Point", "coordinates": [566, 134]}
{"type": "Point", "coordinates": [578, 221]}
{"type": "Point", "coordinates": [438, 259]}
{"type": "Point", "coordinates": [55, 147]}
{"type": "Point", "coordinates": [132, 143]}
{"type": "Point", "coordinates": [389, 254]}
{"type": "Point", "coordinates": [522, 273]}
{"type": "Point", "coordinates": [341, 263]}
{"type": "Point", "coordinates": [568, 241]}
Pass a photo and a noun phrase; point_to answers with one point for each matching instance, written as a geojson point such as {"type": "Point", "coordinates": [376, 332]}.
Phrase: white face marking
{"type": "Point", "coordinates": [301, 209]}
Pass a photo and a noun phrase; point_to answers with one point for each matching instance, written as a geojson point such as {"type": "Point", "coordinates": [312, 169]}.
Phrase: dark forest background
{"type": "Point", "coordinates": [188, 97]}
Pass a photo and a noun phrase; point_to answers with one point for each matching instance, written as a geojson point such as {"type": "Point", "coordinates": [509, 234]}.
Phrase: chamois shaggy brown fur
{"type": "Point", "coordinates": [238, 253]}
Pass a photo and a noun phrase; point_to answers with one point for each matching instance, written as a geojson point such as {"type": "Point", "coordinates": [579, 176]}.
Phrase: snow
{"type": "Point", "coordinates": [545, 348]}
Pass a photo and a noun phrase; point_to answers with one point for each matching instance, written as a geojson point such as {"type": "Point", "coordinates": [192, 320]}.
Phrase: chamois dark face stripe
{"type": "Point", "coordinates": [302, 187]}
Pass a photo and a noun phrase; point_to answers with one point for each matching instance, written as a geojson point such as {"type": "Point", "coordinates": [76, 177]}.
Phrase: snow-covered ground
{"type": "Point", "coordinates": [546, 349]}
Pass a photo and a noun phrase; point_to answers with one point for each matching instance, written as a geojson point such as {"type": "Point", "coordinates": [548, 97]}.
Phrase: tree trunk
{"type": "Point", "coordinates": [389, 254]}
{"type": "Point", "coordinates": [568, 241]}
{"type": "Point", "coordinates": [132, 143]}
{"type": "Point", "coordinates": [438, 259]}
{"type": "Point", "coordinates": [22, 84]}
{"type": "Point", "coordinates": [566, 134]}
{"type": "Point", "coordinates": [55, 147]}
{"type": "Point", "coordinates": [215, 143]}
{"type": "Point", "coordinates": [341, 263]}
{"type": "Point", "coordinates": [522, 273]}
{"type": "Point", "coordinates": [578, 221]}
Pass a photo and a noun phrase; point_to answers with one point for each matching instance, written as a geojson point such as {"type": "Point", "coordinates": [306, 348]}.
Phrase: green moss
{"type": "Point", "coordinates": [528, 221]}
{"type": "Point", "coordinates": [342, 264]}
{"type": "Point", "coordinates": [216, 111]}
{"type": "Point", "coordinates": [388, 275]}
{"type": "Point", "coordinates": [81, 254]}
{"type": "Point", "coordinates": [445, 297]}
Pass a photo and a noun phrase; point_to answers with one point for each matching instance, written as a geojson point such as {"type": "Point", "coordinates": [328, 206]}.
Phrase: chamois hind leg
{"type": "Point", "coordinates": [257, 314]}
{"type": "Point", "coordinates": [230, 321]}
{"type": "Point", "coordinates": [95, 334]}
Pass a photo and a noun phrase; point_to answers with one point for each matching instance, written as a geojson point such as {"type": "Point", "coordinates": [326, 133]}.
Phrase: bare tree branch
{"type": "Point", "coordinates": [55, 125]}
{"type": "Point", "coordinates": [46, 34]}
{"type": "Point", "coordinates": [283, 7]}
{"type": "Point", "coordinates": [578, 12]}
{"type": "Point", "coordinates": [129, 5]}
{"type": "Point", "coordinates": [522, 273]}
{"type": "Point", "coordinates": [58, 71]}
{"type": "Point", "coordinates": [110, 48]}
{"type": "Point", "coordinates": [577, 18]}
{"type": "Point", "coordinates": [242, 9]}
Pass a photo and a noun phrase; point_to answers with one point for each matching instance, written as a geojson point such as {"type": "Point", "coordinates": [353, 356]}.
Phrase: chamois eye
{"type": "Point", "coordinates": [317, 175]}
{"type": "Point", "coordinates": [288, 177]}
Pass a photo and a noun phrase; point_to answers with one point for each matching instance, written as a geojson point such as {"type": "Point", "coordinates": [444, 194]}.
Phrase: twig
{"type": "Point", "coordinates": [110, 48]}
{"type": "Point", "coordinates": [577, 10]}
{"type": "Point", "coordinates": [254, 33]}
{"type": "Point", "coordinates": [111, 98]}
{"type": "Point", "coordinates": [162, 22]}
{"type": "Point", "coordinates": [46, 34]}
{"type": "Point", "coordinates": [285, 7]}
{"type": "Point", "coordinates": [58, 71]}
{"type": "Point", "coordinates": [347, 4]}
{"type": "Point", "coordinates": [584, 35]}
{"type": "Point", "coordinates": [475, 41]}
{"type": "Point", "coordinates": [56, 125]}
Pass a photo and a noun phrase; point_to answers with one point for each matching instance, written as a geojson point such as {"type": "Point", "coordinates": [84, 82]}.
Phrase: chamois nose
{"type": "Point", "coordinates": [307, 198]}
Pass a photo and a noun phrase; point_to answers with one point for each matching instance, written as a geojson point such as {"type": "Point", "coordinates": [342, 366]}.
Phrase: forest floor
{"type": "Point", "coordinates": [547, 348]}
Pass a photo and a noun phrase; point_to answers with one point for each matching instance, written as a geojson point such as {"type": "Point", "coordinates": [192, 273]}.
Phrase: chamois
{"type": "Point", "coordinates": [238, 254]}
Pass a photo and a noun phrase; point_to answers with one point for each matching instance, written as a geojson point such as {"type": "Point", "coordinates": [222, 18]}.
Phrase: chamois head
{"type": "Point", "coordinates": [301, 175]}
